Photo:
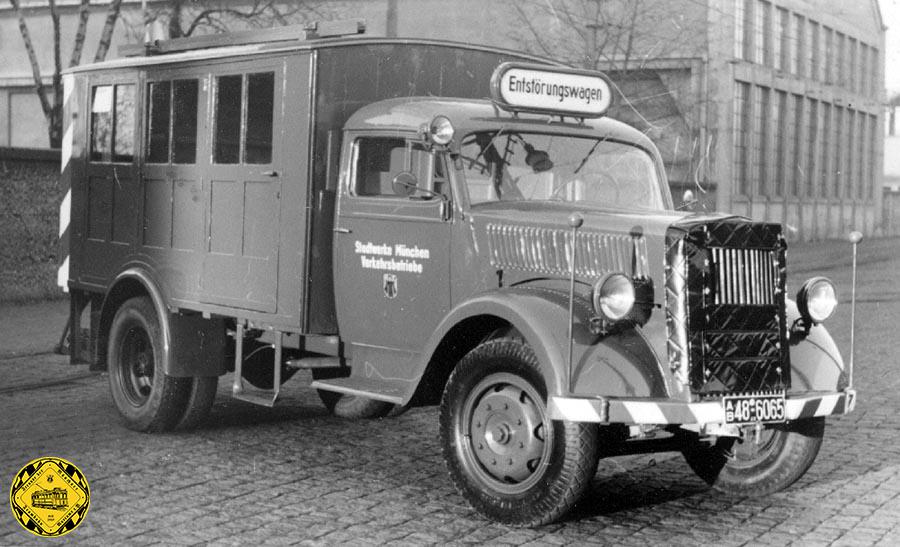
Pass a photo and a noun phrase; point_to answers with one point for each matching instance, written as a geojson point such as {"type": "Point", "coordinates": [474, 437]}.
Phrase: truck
{"type": "Point", "coordinates": [419, 222]}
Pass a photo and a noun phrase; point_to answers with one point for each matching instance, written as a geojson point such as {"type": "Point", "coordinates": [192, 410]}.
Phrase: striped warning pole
{"type": "Point", "coordinates": [65, 208]}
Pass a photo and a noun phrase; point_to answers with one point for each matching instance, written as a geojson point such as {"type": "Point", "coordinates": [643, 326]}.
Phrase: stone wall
{"type": "Point", "coordinates": [29, 223]}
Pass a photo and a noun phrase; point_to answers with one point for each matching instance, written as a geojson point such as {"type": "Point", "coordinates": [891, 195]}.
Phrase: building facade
{"type": "Point", "coordinates": [771, 109]}
{"type": "Point", "coordinates": [799, 109]}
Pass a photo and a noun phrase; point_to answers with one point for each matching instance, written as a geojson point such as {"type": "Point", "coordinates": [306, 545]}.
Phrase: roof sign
{"type": "Point", "coordinates": [551, 90]}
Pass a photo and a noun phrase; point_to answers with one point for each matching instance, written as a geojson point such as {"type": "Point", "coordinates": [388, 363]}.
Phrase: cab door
{"type": "Point", "coordinates": [392, 264]}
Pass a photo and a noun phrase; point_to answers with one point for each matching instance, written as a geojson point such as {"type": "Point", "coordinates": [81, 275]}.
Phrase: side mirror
{"type": "Point", "coordinates": [404, 184]}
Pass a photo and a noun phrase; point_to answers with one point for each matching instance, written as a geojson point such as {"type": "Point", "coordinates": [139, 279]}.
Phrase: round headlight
{"type": "Point", "coordinates": [614, 296]}
{"type": "Point", "coordinates": [441, 130]}
{"type": "Point", "coordinates": [816, 299]}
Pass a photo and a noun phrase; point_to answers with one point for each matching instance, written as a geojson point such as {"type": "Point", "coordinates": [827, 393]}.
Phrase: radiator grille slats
{"type": "Point", "coordinates": [744, 277]}
{"type": "Point", "coordinates": [547, 251]}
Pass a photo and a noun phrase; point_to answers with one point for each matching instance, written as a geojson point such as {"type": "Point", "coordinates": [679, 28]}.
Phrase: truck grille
{"type": "Point", "coordinates": [725, 306]}
{"type": "Point", "coordinates": [744, 276]}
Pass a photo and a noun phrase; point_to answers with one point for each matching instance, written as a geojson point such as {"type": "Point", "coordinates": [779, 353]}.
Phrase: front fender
{"type": "Point", "coordinates": [816, 363]}
{"type": "Point", "coordinates": [620, 364]}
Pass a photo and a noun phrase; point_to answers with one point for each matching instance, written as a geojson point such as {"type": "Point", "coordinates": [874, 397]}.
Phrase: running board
{"type": "Point", "coordinates": [391, 391]}
{"type": "Point", "coordinates": [315, 362]}
{"type": "Point", "coordinates": [250, 394]}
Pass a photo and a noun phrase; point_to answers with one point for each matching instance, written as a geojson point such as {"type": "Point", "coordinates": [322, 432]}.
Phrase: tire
{"type": "Point", "coordinates": [350, 407]}
{"type": "Point", "coordinates": [199, 401]}
{"type": "Point", "coordinates": [496, 397]}
{"type": "Point", "coordinates": [145, 396]}
{"type": "Point", "coordinates": [743, 468]}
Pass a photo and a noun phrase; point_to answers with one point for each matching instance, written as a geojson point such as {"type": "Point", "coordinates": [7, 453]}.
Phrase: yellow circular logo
{"type": "Point", "coordinates": [50, 497]}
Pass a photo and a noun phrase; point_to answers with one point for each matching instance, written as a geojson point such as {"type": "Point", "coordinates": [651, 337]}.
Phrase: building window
{"type": "Point", "coordinates": [863, 69]}
{"type": "Point", "coordinates": [840, 75]}
{"type": "Point", "coordinates": [851, 136]}
{"type": "Point", "coordinates": [826, 175]}
{"type": "Point", "coordinates": [112, 123]}
{"type": "Point", "coordinates": [828, 65]}
{"type": "Point", "coordinates": [758, 142]}
{"type": "Point", "coordinates": [762, 33]}
{"type": "Point", "coordinates": [790, 145]}
{"type": "Point", "coordinates": [798, 173]}
{"type": "Point", "coordinates": [744, 29]}
{"type": "Point", "coordinates": [781, 44]}
{"type": "Point", "coordinates": [839, 152]}
{"type": "Point", "coordinates": [862, 137]}
{"type": "Point", "coordinates": [812, 50]}
{"type": "Point", "coordinates": [796, 59]}
{"type": "Point", "coordinates": [742, 137]}
{"type": "Point", "coordinates": [870, 155]}
{"type": "Point", "coordinates": [781, 108]}
{"type": "Point", "coordinates": [874, 81]}
{"type": "Point", "coordinates": [812, 135]}
{"type": "Point", "coordinates": [852, 66]}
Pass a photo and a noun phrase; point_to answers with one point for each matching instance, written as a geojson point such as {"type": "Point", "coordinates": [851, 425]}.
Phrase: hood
{"type": "Point", "coordinates": [534, 238]}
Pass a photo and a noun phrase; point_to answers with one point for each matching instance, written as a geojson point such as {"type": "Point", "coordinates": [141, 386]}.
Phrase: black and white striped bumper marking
{"type": "Point", "coordinates": [601, 410]}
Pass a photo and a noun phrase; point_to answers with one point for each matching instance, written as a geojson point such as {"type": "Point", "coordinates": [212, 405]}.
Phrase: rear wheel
{"type": "Point", "coordinates": [505, 456]}
{"type": "Point", "coordinates": [758, 467]}
{"type": "Point", "coordinates": [199, 401]}
{"type": "Point", "coordinates": [147, 398]}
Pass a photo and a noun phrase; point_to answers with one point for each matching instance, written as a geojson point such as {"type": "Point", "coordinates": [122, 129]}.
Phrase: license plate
{"type": "Point", "coordinates": [752, 409]}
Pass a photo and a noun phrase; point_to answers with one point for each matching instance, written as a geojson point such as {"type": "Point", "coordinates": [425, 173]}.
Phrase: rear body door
{"type": "Point", "coordinates": [110, 191]}
{"type": "Point", "coordinates": [240, 267]}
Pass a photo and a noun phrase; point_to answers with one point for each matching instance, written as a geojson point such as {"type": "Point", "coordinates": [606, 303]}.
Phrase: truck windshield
{"type": "Point", "coordinates": [518, 166]}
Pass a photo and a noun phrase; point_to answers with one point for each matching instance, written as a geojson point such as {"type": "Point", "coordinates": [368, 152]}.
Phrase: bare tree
{"type": "Point", "coordinates": [53, 109]}
{"type": "Point", "coordinates": [187, 17]}
{"type": "Point", "coordinates": [627, 39]}
{"type": "Point", "coordinates": [601, 34]}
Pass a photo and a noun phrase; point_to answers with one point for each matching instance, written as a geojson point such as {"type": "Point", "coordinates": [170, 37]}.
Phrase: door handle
{"type": "Point", "coordinates": [343, 230]}
{"type": "Point", "coordinates": [270, 173]}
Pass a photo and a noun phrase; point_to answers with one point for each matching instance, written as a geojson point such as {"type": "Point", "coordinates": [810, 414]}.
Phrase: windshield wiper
{"type": "Point", "coordinates": [591, 151]}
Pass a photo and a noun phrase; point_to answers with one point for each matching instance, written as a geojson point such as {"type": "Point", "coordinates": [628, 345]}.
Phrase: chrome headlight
{"type": "Point", "coordinates": [441, 130]}
{"type": "Point", "coordinates": [816, 300]}
{"type": "Point", "coordinates": [613, 296]}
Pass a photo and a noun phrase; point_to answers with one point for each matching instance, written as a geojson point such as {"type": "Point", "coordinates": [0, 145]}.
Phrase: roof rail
{"type": "Point", "coordinates": [292, 33]}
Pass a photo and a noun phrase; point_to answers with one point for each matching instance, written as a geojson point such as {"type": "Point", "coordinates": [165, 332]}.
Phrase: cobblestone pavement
{"type": "Point", "coordinates": [293, 474]}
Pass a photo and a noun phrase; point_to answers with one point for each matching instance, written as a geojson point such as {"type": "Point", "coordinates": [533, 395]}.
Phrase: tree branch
{"type": "Point", "coordinates": [112, 15]}
{"type": "Point", "coordinates": [33, 60]}
{"type": "Point", "coordinates": [84, 12]}
{"type": "Point", "coordinates": [56, 111]}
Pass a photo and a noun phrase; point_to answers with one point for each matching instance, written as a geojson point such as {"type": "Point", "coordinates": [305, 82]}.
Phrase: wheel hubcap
{"type": "Point", "coordinates": [746, 452]}
{"type": "Point", "coordinates": [505, 443]}
{"type": "Point", "coordinates": [137, 365]}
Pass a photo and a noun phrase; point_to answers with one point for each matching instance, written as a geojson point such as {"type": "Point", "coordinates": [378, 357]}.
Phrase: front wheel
{"type": "Point", "coordinates": [504, 454]}
{"type": "Point", "coordinates": [758, 467]}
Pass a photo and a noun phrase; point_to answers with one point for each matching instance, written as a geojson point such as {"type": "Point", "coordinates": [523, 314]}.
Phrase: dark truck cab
{"type": "Point", "coordinates": [517, 261]}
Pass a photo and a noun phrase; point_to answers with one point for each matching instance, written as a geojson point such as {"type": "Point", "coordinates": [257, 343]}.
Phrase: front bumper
{"type": "Point", "coordinates": [665, 411]}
